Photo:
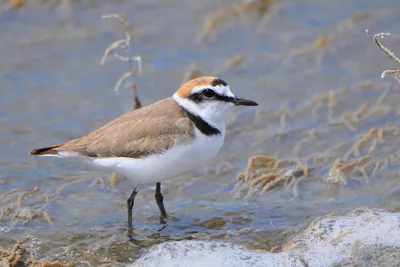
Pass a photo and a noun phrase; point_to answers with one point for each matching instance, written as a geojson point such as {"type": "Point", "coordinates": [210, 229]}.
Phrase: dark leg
{"type": "Point", "coordinates": [159, 199]}
{"type": "Point", "coordinates": [129, 204]}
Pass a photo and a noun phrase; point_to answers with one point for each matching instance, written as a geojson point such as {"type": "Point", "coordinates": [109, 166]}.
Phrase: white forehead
{"type": "Point", "coordinates": [223, 90]}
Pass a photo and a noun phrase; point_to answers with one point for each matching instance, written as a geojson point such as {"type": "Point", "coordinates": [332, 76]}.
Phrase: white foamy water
{"type": "Point", "coordinates": [364, 236]}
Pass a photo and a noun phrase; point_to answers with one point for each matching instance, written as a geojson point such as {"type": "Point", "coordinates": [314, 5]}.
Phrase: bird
{"type": "Point", "coordinates": [160, 141]}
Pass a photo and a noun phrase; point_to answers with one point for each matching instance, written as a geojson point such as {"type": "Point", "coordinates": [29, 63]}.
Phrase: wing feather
{"type": "Point", "coordinates": [149, 130]}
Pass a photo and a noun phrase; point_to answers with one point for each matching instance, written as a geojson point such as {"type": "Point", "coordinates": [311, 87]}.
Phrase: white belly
{"type": "Point", "coordinates": [174, 162]}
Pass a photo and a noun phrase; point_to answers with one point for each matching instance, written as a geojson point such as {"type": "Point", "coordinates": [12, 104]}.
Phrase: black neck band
{"type": "Point", "coordinates": [202, 125]}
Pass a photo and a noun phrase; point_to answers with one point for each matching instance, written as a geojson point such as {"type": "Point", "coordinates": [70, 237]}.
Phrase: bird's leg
{"type": "Point", "coordinates": [159, 199]}
{"type": "Point", "coordinates": [129, 205]}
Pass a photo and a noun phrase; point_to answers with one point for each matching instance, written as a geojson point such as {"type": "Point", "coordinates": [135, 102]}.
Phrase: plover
{"type": "Point", "coordinates": [160, 141]}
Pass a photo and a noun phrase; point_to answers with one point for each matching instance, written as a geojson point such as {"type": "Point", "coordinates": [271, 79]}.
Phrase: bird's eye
{"type": "Point", "coordinates": [208, 93]}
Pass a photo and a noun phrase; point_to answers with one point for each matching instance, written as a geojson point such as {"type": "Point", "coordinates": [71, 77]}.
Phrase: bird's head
{"type": "Point", "coordinates": [210, 98]}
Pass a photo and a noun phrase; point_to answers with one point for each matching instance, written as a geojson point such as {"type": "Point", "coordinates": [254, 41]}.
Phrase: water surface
{"type": "Point", "coordinates": [53, 90]}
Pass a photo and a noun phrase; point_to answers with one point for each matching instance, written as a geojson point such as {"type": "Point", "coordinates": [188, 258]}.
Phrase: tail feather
{"type": "Point", "coordinates": [45, 151]}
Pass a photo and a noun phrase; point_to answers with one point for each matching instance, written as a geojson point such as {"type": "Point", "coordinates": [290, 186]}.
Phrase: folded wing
{"type": "Point", "coordinates": [150, 130]}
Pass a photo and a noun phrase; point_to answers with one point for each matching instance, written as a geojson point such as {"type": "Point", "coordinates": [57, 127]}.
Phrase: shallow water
{"type": "Point", "coordinates": [53, 90]}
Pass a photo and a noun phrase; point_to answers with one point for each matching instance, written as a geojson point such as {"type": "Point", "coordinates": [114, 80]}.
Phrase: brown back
{"type": "Point", "coordinates": [149, 130]}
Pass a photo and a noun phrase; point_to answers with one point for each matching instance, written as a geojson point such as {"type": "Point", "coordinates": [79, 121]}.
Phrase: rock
{"type": "Point", "coordinates": [214, 223]}
{"type": "Point", "coordinates": [364, 236]}
{"type": "Point", "coordinates": [199, 253]}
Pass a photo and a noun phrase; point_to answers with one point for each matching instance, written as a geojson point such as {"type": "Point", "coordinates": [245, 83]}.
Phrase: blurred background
{"type": "Point", "coordinates": [324, 139]}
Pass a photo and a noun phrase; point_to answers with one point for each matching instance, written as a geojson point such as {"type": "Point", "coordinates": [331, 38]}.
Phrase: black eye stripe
{"type": "Point", "coordinates": [224, 98]}
{"type": "Point", "coordinates": [198, 97]}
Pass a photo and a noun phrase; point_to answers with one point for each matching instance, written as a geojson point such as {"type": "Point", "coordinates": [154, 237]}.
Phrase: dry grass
{"type": "Point", "coordinates": [18, 4]}
{"type": "Point", "coordinates": [13, 207]}
{"type": "Point", "coordinates": [319, 47]}
{"type": "Point", "coordinates": [234, 12]}
{"type": "Point", "coordinates": [18, 256]}
{"type": "Point", "coordinates": [265, 173]}
{"type": "Point", "coordinates": [369, 153]}
{"type": "Point", "coordinates": [391, 55]}
{"type": "Point", "coordinates": [24, 206]}
{"type": "Point", "coordinates": [134, 62]}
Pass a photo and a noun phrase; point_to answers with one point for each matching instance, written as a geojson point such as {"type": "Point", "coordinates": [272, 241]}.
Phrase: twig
{"type": "Point", "coordinates": [392, 56]}
{"type": "Point", "coordinates": [134, 62]}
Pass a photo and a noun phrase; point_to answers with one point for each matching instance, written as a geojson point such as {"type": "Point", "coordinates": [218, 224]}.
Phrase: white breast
{"type": "Point", "coordinates": [174, 162]}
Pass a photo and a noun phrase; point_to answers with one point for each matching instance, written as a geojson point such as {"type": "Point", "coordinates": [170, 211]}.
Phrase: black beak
{"type": "Point", "coordinates": [243, 102]}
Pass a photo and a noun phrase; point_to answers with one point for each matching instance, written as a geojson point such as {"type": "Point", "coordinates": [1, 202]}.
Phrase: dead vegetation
{"type": "Point", "coordinates": [134, 62]}
{"type": "Point", "coordinates": [13, 206]}
{"type": "Point", "coordinates": [18, 256]}
{"type": "Point", "coordinates": [24, 206]}
{"type": "Point", "coordinates": [319, 47]}
{"type": "Point", "coordinates": [11, 257]}
{"type": "Point", "coordinates": [313, 48]}
{"type": "Point", "coordinates": [50, 4]}
{"type": "Point", "coordinates": [265, 173]}
{"type": "Point", "coordinates": [392, 56]}
{"type": "Point", "coordinates": [232, 13]}
{"type": "Point", "coordinates": [30, 206]}
{"type": "Point", "coordinates": [368, 154]}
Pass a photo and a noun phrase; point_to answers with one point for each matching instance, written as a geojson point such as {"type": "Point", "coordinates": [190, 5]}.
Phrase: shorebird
{"type": "Point", "coordinates": [160, 141]}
